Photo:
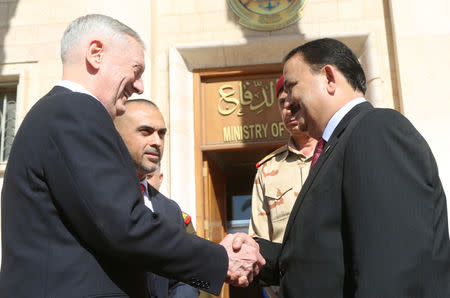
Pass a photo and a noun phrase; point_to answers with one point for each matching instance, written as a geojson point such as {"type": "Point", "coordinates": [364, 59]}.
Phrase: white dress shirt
{"type": "Point", "coordinates": [337, 117]}
{"type": "Point", "coordinates": [74, 87]}
{"type": "Point", "coordinates": [147, 201]}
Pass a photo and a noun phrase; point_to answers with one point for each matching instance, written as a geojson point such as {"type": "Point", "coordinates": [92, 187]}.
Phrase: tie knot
{"type": "Point", "coordinates": [320, 144]}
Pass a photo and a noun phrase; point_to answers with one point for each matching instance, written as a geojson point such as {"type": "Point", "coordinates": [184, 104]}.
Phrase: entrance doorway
{"type": "Point", "coordinates": [232, 174]}
{"type": "Point", "coordinates": [238, 168]}
{"type": "Point", "coordinates": [237, 123]}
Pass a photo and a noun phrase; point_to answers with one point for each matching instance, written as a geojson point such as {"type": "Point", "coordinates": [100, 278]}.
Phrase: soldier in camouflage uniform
{"type": "Point", "coordinates": [280, 177]}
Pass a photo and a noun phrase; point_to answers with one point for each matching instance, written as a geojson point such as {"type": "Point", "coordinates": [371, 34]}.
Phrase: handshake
{"type": "Point", "coordinates": [244, 259]}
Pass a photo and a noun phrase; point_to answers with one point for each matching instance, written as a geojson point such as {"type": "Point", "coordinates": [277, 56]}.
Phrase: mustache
{"type": "Point", "coordinates": [153, 150]}
{"type": "Point", "coordinates": [294, 108]}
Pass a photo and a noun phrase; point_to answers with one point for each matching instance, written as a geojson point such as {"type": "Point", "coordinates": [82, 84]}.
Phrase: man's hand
{"type": "Point", "coordinates": [244, 259]}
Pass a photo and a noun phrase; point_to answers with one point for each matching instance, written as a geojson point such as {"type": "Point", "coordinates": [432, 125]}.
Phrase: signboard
{"type": "Point", "coordinates": [241, 110]}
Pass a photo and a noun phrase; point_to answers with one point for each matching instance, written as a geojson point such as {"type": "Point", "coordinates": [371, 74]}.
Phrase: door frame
{"type": "Point", "coordinates": [203, 180]}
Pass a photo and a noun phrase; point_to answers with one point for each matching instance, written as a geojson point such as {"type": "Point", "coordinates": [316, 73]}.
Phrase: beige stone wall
{"type": "Point", "coordinates": [404, 48]}
{"type": "Point", "coordinates": [30, 33]}
{"type": "Point", "coordinates": [178, 22]}
{"type": "Point", "coordinates": [422, 44]}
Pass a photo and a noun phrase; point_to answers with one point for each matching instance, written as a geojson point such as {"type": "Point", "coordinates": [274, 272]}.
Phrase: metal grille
{"type": "Point", "coordinates": [8, 96]}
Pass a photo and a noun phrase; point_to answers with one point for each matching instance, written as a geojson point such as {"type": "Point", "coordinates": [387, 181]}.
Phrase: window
{"type": "Point", "coordinates": [8, 94]}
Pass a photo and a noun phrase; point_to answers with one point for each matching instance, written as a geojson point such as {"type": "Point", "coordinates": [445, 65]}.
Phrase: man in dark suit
{"type": "Point", "coordinates": [143, 129]}
{"type": "Point", "coordinates": [155, 179]}
{"type": "Point", "coordinates": [73, 220]}
{"type": "Point", "coordinates": [371, 219]}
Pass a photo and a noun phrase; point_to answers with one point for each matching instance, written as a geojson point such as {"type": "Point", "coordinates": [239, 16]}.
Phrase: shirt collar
{"type": "Point", "coordinates": [147, 200]}
{"type": "Point", "coordinates": [293, 149]}
{"type": "Point", "coordinates": [74, 87]}
{"type": "Point", "coordinates": [337, 117]}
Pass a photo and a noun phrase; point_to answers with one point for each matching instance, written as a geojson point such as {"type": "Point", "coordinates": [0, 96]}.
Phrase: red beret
{"type": "Point", "coordinates": [279, 86]}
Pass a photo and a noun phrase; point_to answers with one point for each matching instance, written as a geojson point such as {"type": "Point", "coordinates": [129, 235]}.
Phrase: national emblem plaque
{"type": "Point", "coordinates": [267, 15]}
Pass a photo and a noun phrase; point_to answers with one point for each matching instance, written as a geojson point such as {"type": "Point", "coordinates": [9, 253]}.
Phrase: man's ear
{"type": "Point", "coordinates": [330, 75]}
{"type": "Point", "coordinates": [94, 54]}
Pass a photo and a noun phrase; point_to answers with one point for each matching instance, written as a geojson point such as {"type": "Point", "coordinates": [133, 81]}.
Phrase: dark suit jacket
{"type": "Point", "coordinates": [73, 221]}
{"type": "Point", "coordinates": [161, 287]}
{"type": "Point", "coordinates": [371, 219]}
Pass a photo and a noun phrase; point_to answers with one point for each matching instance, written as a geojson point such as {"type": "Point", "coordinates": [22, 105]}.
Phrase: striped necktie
{"type": "Point", "coordinates": [142, 190]}
{"type": "Point", "coordinates": [317, 152]}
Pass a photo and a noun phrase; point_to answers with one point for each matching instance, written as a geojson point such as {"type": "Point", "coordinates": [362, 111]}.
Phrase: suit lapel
{"type": "Point", "coordinates": [153, 197]}
{"type": "Point", "coordinates": [358, 109]}
{"type": "Point", "coordinates": [328, 149]}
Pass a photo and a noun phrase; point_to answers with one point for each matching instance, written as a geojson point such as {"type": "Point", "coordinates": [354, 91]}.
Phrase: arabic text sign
{"type": "Point", "coordinates": [242, 111]}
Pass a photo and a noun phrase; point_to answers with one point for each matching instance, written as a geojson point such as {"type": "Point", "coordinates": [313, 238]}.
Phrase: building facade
{"type": "Point", "coordinates": [211, 77]}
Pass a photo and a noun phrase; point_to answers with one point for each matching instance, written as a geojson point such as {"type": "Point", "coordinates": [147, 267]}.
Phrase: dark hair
{"type": "Point", "coordinates": [320, 52]}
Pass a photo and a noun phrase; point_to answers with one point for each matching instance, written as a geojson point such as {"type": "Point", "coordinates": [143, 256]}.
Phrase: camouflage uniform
{"type": "Point", "coordinates": [278, 181]}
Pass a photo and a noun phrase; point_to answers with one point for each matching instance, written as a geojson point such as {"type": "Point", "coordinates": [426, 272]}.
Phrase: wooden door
{"type": "Point", "coordinates": [214, 194]}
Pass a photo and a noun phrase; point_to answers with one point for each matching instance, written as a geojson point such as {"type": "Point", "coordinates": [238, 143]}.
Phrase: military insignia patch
{"type": "Point", "coordinates": [186, 217]}
{"type": "Point", "coordinates": [267, 15]}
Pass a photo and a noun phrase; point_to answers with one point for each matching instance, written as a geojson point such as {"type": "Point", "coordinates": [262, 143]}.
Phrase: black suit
{"type": "Point", "coordinates": [371, 219]}
{"type": "Point", "coordinates": [159, 286]}
{"type": "Point", "coordinates": [73, 221]}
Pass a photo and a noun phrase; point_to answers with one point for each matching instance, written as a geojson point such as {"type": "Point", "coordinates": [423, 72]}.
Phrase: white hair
{"type": "Point", "coordinates": [94, 23]}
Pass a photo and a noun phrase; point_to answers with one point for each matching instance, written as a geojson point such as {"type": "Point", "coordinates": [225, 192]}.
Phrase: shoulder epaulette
{"type": "Point", "coordinates": [186, 217]}
{"type": "Point", "coordinates": [272, 154]}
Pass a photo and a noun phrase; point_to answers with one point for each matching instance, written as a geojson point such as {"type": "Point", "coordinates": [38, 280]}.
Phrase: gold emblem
{"type": "Point", "coordinates": [267, 15]}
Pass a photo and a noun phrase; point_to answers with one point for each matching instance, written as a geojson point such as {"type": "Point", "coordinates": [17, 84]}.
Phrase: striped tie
{"type": "Point", "coordinates": [317, 152]}
{"type": "Point", "coordinates": [142, 189]}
